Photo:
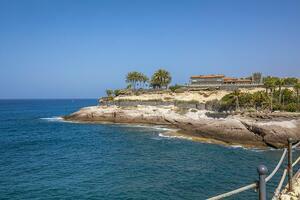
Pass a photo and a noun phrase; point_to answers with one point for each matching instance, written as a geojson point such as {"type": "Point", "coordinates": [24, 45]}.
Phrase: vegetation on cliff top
{"type": "Point", "coordinates": [277, 99]}
{"type": "Point", "coordinates": [280, 93]}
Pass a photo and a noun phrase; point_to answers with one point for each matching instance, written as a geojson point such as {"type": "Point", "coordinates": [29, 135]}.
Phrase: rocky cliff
{"type": "Point", "coordinates": [249, 130]}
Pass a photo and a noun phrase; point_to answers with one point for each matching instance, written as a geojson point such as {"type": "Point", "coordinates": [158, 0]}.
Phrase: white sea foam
{"type": "Point", "coordinates": [174, 136]}
{"type": "Point", "coordinates": [53, 119]}
{"type": "Point", "coordinates": [253, 149]}
{"type": "Point", "coordinates": [237, 146]}
{"type": "Point", "coordinates": [162, 128]}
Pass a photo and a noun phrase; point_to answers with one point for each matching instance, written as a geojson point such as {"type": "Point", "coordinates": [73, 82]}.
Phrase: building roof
{"type": "Point", "coordinates": [209, 76]}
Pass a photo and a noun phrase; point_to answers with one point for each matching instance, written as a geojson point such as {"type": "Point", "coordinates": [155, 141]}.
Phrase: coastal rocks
{"type": "Point", "coordinates": [295, 194]}
{"type": "Point", "coordinates": [232, 129]}
{"type": "Point", "coordinates": [274, 133]}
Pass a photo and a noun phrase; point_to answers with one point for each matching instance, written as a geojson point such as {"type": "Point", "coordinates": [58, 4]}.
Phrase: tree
{"type": "Point", "coordinates": [270, 83]}
{"type": "Point", "coordinates": [143, 79]}
{"type": "Point", "coordinates": [260, 100]}
{"type": "Point", "coordinates": [290, 81]}
{"type": "Point", "coordinates": [257, 77]}
{"type": "Point", "coordinates": [280, 82]}
{"type": "Point", "coordinates": [236, 94]}
{"type": "Point", "coordinates": [161, 78]}
{"type": "Point", "coordinates": [297, 90]}
{"type": "Point", "coordinates": [136, 79]}
{"type": "Point", "coordinates": [231, 101]}
{"type": "Point", "coordinates": [109, 93]}
{"type": "Point", "coordinates": [132, 78]}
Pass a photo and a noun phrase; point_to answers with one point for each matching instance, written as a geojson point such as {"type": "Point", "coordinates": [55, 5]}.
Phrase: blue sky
{"type": "Point", "coordinates": [77, 49]}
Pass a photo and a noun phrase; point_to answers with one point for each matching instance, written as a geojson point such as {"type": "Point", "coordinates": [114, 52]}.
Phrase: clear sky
{"type": "Point", "coordinates": [77, 49]}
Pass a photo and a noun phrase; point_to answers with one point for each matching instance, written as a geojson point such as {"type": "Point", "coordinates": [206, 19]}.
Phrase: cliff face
{"type": "Point", "coordinates": [185, 99]}
{"type": "Point", "coordinates": [253, 131]}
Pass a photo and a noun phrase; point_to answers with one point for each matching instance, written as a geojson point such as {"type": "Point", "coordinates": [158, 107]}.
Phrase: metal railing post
{"type": "Point", "coordinates": [290, 164]}
{"type": "Point", "coordinates": [262, 172]}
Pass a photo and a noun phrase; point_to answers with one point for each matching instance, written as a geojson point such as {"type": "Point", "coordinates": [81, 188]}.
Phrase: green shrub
{"type": "Point", "coordinates": [109, 92]}
{"type": "Point", "coordinates": [174, 87]}
{"type": "Point", "coordinates": [291, 107]}
{"type": "Point", "coordinates": [214, 105]}
{"type": "Point", "coordinates": [277, 106]}
{"type": "Point", "coordinates": [110, 98]}
{"type": "Point", "coordinates": [117, 92]}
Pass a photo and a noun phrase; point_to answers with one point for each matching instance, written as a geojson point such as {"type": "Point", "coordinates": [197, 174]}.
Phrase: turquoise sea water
{"type": "Point", "coordinates": [45, 158]}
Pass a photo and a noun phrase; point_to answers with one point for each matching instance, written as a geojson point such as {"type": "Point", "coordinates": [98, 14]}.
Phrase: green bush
{"type": "Point", "coordinates": [110, 98]}
{"type": "Point", "coordinates": [109, 93]}
{"type": "Point", "coordinates": [117, 92]}
{"type": "Point", "coordinates": [277, 106]}
{"type": "Point", "coordinates": [174, 87]}
{"type": "Point", "coordinates": [291, 107]}
{"type": "Point", "coordinates": [214, 105]}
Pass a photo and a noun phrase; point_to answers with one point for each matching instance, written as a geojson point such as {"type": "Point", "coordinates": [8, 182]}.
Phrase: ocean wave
{"type": "Point", "coordinates": [174, 136]}
{"type": "Point", "coordinates": [237, 147]}
{"type": "Point", "coordinates": [253, 148]}
{"type": "Point", "coordinates": [162, 128]}
{"type": "Point", "coordinates": [245, 148]}
{"type": "Point", "coordinates": [53, 119]}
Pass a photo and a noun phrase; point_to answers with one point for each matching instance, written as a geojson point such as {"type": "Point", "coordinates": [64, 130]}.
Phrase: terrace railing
{"type": "Point", "coordinates": [262, 170]}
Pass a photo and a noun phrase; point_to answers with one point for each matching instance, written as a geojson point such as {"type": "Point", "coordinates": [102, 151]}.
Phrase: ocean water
{"type": "Point", "coordinates": [43, 157]}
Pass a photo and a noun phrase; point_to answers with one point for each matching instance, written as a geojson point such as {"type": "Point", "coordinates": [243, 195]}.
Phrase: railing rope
{"type": "Point", "coordinates": [253, 185]}
{"type": "Point", "coordinates": [278, 189]}
{"type": "Point", "coordinates": [296, 145]}
{"type": "Point", "coordinates": [296, 161]}
{"type": "Point", "coordinates": [277, 166]}
{"type": "Point", "coordinates": [228, 194]}
{"type": "Point", "coordinates": [263, 179]}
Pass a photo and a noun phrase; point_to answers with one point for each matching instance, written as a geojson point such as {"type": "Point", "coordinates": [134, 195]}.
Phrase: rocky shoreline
{"type": "Point", "coordinates": [252, 129]}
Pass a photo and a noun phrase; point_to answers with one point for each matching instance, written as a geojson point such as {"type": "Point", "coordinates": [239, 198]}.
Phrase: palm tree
{"type": "Point", "coordinates": [161, 78]}
{"type": "Point", "coordinates": [143, 79]}
{"type": "Point", "coordinates": [290, 81]}
{"type": "Point", "coordinates": [270, 83]}
{"type": "Point", "coordinates": [136, 79]}
{"type": "Point", "coordinates": [297, 90]}
{"type": "Point", "coordinates": [260, 99]}
{"type": "Point", "coordinates": [280, 82]}
{"type": "Point", "coordinates": [131, 78]}
{"type": "Point", "coordinates": [236, 94]}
